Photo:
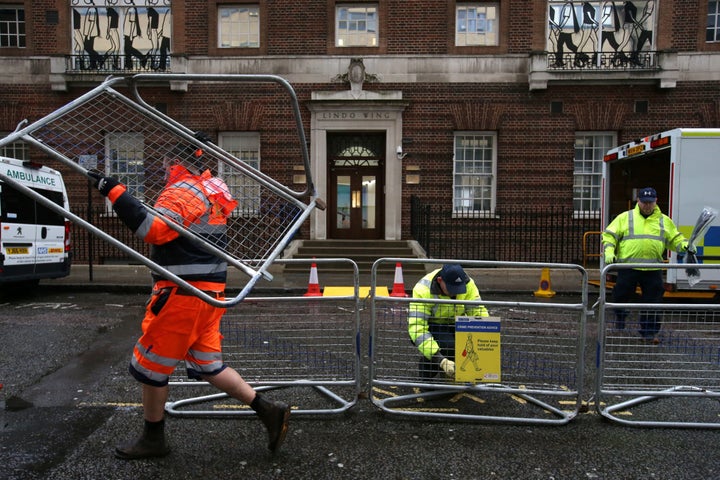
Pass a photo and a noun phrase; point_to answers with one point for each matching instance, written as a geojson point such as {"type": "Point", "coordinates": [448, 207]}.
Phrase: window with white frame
{"type": "Point", "coordinates": [126, 162]}
{"type": "Point", "coordinates": [19, 150]}
{"type": "Point", "coordinates": [12, 26]}
{"type": "Point", "coordinates": [590, 147]}
{"type": "Point", "coordinates": [476, 23]}
{"type": "Point", "coordinates": [244, 146]}
{"type": "Point", "coordinates": [712, 33]}
{"type": "Point", "coordinates": [474, 172]}
{"type": "Point", "coordinates": [239, 26]}
{"type": "Point", "coordinates": [356, 25]}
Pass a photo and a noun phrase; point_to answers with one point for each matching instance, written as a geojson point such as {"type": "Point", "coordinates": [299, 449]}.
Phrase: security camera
{"type": "Point", "coordinates": [399, 149]}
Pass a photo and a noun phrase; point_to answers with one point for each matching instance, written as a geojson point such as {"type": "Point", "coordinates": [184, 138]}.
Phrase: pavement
{"type": "Point", "coordinates": [66, 350]}
{"type": "Point", "coordinates": [137, 277]}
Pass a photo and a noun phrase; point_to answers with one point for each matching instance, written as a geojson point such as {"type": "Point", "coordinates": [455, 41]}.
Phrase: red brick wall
{"type": "Point", "coordinates": [535, 147]}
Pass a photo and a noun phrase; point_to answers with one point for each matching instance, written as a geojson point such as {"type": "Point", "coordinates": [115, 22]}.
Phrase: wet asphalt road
{"type": "Point", "coordinates": [68, 400]}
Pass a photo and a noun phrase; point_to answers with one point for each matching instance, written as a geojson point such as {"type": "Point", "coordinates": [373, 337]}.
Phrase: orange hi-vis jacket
{"type": "Point", "coordinates": [178, 326]}
{"type": "Point", "coordinates": [200, 203]}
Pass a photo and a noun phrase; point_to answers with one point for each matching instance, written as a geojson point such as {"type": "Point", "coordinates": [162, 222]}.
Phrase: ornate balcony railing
{"type": "Point", "coordinates": [117, 64]}
{"type": "Point", "coordinates": [645, 60]}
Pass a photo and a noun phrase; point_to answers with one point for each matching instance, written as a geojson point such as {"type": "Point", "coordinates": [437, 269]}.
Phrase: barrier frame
{"type": "Point", "coordinates": [604, 394]}
{"type": "Point", "coordinates": [24, 132]}
{"type": "Point", "coordinates": [435, 390]}
{"type": "Point", "coordinates": [322, 386]}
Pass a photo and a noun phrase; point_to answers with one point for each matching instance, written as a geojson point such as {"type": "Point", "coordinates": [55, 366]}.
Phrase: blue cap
{"type": "Point", "coordinates": [647, 194]}
{"type": "Point", "coordinates": [455, 278]}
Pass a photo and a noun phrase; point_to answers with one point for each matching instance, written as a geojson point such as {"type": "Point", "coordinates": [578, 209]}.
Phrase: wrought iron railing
{"type": "Point", "coordinates": [645, 60]}
{"type": "Point", "coordinates": [107, 63]}
{"type": "Point", "coordinates": [549, 234]}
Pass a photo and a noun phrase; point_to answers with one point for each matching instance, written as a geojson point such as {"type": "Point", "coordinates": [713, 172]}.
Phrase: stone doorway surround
{"type": "Point", "coordinates": [357, 110]}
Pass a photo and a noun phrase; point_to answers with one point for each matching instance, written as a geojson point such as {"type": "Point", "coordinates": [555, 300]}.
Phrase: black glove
{"type": "Point", "coordinates": [102, 183]}
{"type": "Point", "coordinates": [203, 137]}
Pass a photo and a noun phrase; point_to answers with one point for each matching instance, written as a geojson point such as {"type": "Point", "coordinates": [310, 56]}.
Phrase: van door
{"type": "Point", "coordinates": [50, 236]}
{"type": "Point", "coordinates": [34, 239]}
{"type": "Point", "coordinates": [18, 233]}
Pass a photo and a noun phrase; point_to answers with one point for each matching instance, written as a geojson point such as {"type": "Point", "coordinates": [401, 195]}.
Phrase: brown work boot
{"type": "Point", "coordinates": [275, 416]}
{"type": "Point", "coordinates": [150, 444]}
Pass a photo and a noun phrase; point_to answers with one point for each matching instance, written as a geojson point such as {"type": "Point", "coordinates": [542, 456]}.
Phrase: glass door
{"type": "Point", "coordinates": [355, 191]}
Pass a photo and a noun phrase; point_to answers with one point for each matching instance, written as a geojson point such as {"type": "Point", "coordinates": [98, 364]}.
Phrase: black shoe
{"type": "Point", "coordinates": [275, 417]}
{"type": "Point", "coordinates": [142, 447]}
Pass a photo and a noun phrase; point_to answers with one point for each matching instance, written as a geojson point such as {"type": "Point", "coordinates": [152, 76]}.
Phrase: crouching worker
{"type": "Point", "coordinates": [179, 326]}
{"type": "Point", "coordinates": [431, 326]}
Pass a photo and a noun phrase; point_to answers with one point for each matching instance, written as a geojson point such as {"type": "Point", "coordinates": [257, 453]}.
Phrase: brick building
{"type": "Point", "coordinates": [475, 107]}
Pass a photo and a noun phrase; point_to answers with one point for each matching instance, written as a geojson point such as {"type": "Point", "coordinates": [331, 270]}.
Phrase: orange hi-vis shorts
{"type": "Point", "coordinates": [178, 326]}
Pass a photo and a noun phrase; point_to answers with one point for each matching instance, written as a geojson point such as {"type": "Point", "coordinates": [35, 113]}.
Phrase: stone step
{"type": "Point", "coordinates": [363, 252]}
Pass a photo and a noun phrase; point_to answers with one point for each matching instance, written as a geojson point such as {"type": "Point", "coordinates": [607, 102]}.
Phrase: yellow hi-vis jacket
{"type": "Point", "coordinates": [632, 238]}
{"type": "Point", "coordinates": [422, 314]}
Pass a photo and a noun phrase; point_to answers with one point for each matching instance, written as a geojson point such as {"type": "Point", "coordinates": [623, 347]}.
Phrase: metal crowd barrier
{"type": "Point", "coordinates": [539, 355]}
{"type": "Point", "coordinates": [304, 348]}
{"type": "Point", "coordinates": [119, 133]}
{"type": "Point", "coordinates": [671, 382]}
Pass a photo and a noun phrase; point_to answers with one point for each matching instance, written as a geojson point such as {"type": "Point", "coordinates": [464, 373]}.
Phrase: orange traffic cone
{"type": "Point", "coordinates": [313, 284]}
{"type": "Point", "coordinates": [398, 289]}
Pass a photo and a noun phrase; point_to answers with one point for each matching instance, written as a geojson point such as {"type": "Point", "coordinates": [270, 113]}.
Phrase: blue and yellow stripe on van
{"type": "Point", "coordinates": [708, 247]}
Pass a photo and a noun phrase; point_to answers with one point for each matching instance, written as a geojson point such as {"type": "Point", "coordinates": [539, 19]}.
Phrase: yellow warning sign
{"type": "Point", "coordinates": [477, 349]}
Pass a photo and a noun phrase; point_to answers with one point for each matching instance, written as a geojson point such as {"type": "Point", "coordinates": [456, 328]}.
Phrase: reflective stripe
{"type": "Point", "coordinates": [640, 260]}
{"type": "Point", "coordinates": [423, 338]}
{"type": "Point", "coordinates": [202, 368]}
{"type": "Point", "coordinates": [197, 268]}
{"type": "Point", "coordinates": [613, 234]}
{"type": "Point", "coordinates": [206, 356]}
{"type": "Point", "coordinates": [151, 375]}
{"type": "Point", "coordinates": [144, 227]}
{"type": "Point", "coordinates": [418, 314]}
{"type": "Point", "coordinates": [154, 358]}
{"type": "Point", "coordinates": [425, 282]}
{"type": "Point", "coordinates": [633, 236]}
{"type": "Point", "coordinates": [171, 214]}
{"type": "Point", "coordinates": [206, 228]}
{"type": "Point", "coordinates": [194, 187]}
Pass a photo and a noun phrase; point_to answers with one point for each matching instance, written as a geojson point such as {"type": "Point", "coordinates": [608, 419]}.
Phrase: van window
{"type": "Point", "coordinates": [16, 207]}
{"type": "Point", "coordinates": [45, 216]}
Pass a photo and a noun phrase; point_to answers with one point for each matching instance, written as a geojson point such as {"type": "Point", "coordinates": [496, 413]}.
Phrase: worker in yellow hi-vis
{"type": "Point", "coordinates": [431, 326]}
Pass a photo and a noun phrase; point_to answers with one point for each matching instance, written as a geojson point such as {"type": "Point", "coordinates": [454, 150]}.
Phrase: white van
{"type": "Point", "coordinates": [34, 240]}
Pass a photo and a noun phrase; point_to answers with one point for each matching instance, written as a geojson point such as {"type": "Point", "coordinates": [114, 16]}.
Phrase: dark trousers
{"type": "Point", "coordinates": [652, 288]}
{"type": "Point", "coordinates": [444, 335]}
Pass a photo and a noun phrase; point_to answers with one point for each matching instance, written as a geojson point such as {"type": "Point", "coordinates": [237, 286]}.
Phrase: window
{"type": "Point", "coordinates": [474, 172]}
{"type": "Point", "coordinates": [601, 34]}
{"type": "Point", "coordinates": [712, 34]}
{"type": "Point", "coordinates": [239, 26]}
{"type": "Point", "coordinates": [356, 25]}
{"type": "Point", "coordinates": [19, 150]}
{"type": "Point", "coordinates": [589, 151]}
{"type": "Point", "coordinates": [125, 161]}
{"type": "Point", "coordinates": [246, 147]}
{"type": "Point", "coordinates": [476, 24]}
{"type": "Point", "coordinates": [114, 35]}
{"type": "Point", "coordinates": [12, 27]}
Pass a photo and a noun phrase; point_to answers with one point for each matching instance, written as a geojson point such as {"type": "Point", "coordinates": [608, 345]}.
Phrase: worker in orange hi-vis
{"type": "Point", "coordinates": [179, 326]}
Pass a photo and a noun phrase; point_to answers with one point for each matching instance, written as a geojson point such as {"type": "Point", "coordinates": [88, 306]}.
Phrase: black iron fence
{"type": "Point", "coordinates": [89, 249]}
{"type": "Point", "coordinates": [522, 234]}
{"type": "Point", "coordinates": [554, 234]}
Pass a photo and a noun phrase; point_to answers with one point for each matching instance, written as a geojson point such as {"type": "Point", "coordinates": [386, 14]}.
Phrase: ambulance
{"type": "Point", "coordinates": [34, 239]}
{"type": "Point", "coordinates": [683, 165]}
